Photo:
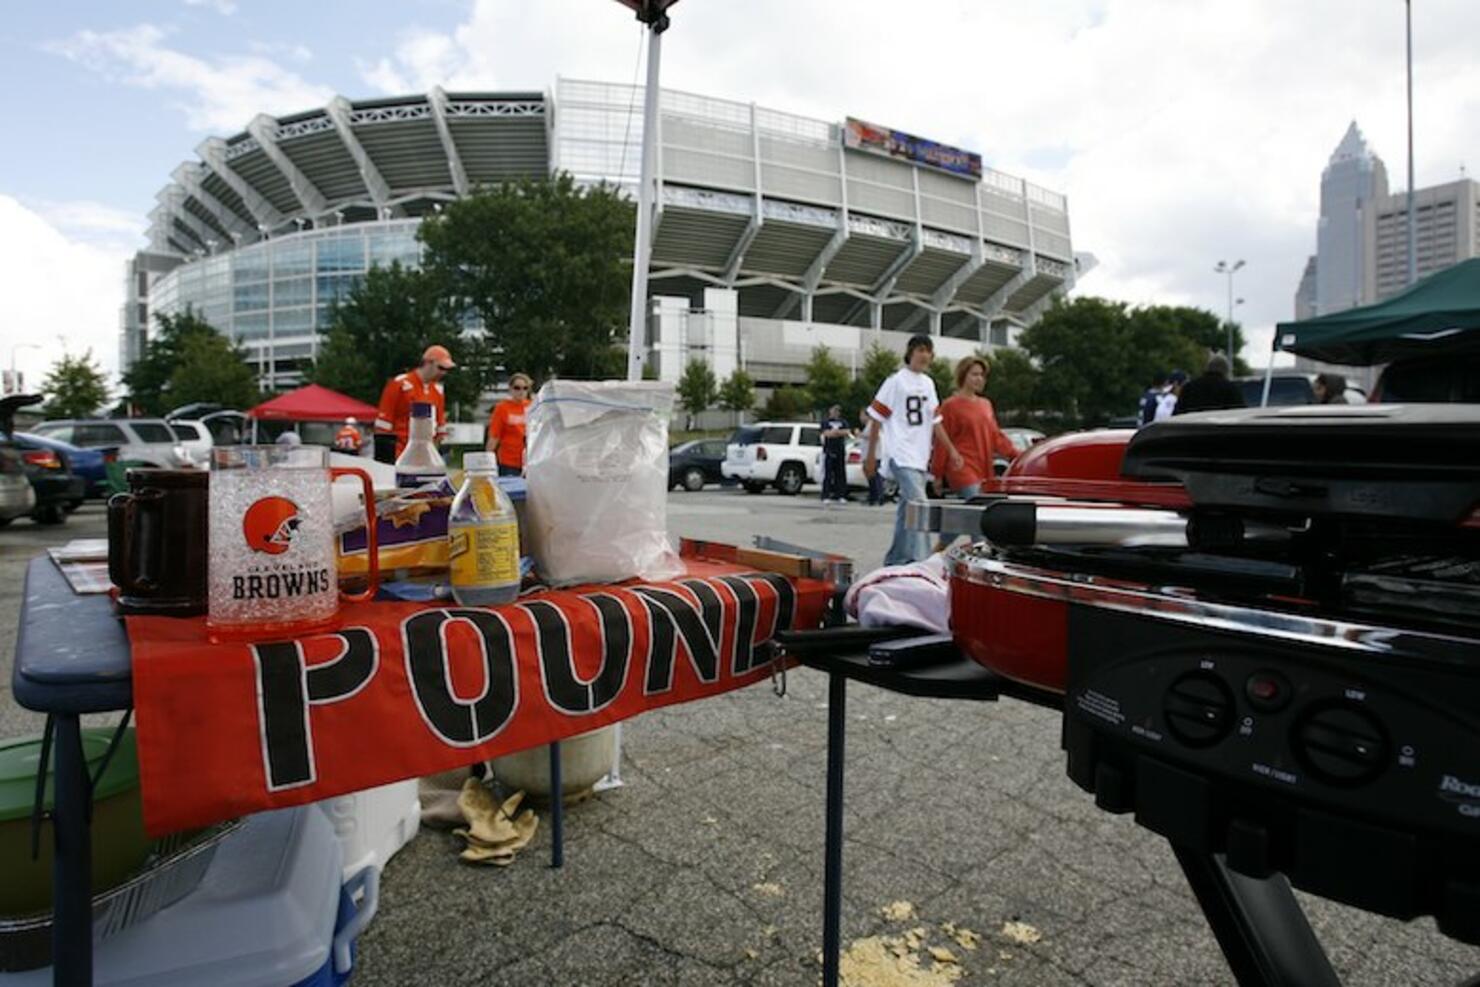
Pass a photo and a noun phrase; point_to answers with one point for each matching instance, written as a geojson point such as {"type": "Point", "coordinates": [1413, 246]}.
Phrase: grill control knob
{"type": "Point", "coordinates": [1198, 709]}
{"type": "Point", "coordinates": [1341, 744]}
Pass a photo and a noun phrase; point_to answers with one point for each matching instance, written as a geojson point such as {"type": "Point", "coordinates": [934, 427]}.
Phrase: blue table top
{"type": "Point", "coordinates": [72, 652]}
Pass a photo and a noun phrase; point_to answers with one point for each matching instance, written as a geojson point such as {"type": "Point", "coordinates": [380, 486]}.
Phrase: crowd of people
{"type": "Point", "coordinates": [910, 435]}
{"type": "Point", "coordinates": [1175, 394]}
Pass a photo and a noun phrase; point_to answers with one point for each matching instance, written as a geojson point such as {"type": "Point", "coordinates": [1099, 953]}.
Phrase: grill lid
{"type": "Point", "coordinates": [1413, 462]}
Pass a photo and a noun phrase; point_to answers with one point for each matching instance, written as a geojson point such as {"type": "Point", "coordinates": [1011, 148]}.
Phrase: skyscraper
{"type": "Point", "coordinates": [1353, 182]}
{"type": "Point", "coordinates": [1447, 233]}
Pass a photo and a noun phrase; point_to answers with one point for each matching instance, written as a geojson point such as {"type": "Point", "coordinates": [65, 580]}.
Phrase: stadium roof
{"type": "Point", "coordinates": [771, 204]}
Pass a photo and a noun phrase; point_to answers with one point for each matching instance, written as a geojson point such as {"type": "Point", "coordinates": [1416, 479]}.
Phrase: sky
{"type": "Point", "coordinates": [1183, 132]}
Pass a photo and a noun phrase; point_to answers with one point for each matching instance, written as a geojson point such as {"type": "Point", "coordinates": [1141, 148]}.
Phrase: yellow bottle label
{"type": "Point", "coordinates": [484, 554]}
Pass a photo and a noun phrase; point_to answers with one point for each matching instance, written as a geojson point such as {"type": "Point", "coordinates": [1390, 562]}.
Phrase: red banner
{"type": "Point", "coordinates": [403, 690]}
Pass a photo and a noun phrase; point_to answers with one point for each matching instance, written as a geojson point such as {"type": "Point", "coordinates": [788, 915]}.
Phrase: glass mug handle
{"type": "Point", "coordinates": [372, 543]}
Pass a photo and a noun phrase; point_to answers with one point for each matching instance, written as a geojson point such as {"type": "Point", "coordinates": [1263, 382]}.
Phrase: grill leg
{"type": "Point", "coordinates": [71, 934]}
{"type": "Point", "coordinates": [1259, 925]}
{"type": "Point", "coordinates": [557, 809]}
{"type": "Point", "coordinates": [832, 883]}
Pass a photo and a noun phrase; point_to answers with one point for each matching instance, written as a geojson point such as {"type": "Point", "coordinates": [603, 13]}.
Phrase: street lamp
{"type": "Point", "coordinates": [1226, 268]}
{"type": "Point", "coordinates": [1412, 221]}
{"type": "Point", "coordinates": [653, 13]}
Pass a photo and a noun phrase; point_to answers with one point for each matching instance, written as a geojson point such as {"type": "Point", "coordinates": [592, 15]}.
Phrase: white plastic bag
{"type": "Point", "coordinates": [597, 468]}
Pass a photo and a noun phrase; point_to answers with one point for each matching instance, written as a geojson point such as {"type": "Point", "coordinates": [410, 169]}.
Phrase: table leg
{"type": "Point", "coordinates": [832, 882]}
{"type": "Point", "coordinates": [71, 934]}
{"type": "Point", "coordinates": [557, 809]}
{"type": "Point", "coordinates": [1259, 925]}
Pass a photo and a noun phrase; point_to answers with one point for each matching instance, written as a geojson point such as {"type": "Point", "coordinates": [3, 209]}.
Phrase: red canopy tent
{"type": "Point", "coordinates": [313, 404]}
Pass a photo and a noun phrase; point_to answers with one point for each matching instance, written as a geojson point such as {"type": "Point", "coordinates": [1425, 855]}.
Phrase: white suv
{"type": "Point", "coordinates": [142, 440]}
{"type": "Point", "coordinates": [783, 454]}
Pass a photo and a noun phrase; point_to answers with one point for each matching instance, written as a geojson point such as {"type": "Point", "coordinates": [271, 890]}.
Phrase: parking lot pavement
{"type": "Point", "coordinates": [706, 867]}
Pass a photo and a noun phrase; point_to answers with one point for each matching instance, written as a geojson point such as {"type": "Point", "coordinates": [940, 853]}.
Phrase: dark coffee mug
{"type": "Point", "coordinates": [157, 535]}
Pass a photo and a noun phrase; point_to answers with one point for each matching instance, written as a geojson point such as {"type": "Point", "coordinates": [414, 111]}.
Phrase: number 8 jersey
{"type": "Point", "coordinates": [907, 410]}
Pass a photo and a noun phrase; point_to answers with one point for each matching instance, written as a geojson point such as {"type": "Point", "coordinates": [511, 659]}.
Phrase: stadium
{"type": "Point", "coordinates": [773, 233]}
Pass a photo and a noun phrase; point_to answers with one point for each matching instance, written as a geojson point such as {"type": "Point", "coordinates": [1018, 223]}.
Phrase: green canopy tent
{"type": "Point", "coordinates": [1437, 316]}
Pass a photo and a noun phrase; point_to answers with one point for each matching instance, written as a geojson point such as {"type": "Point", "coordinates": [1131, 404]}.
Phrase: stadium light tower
{"type": "Point", "coordinates": [653, 13]}
{"type": "Point", "coordinates": [1226, 268]}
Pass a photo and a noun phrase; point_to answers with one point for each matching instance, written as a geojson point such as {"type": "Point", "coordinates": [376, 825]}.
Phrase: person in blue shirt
{"type": "Point", "coordinates": [835, 434]}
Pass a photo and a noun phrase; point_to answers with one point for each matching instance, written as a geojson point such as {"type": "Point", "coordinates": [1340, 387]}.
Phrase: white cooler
{"type": "Point", "coordinates": [372, 825]}
{"type": "Point", "coordinates": [271, 911]}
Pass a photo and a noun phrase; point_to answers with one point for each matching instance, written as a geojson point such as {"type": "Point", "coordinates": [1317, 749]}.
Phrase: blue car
{"type": "Point", "coordinates": [89, 464]}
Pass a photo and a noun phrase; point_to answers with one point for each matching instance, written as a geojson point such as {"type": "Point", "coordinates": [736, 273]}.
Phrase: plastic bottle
{"type": "Point", "coordinates": [483, 537]}
{"type": "Point", "coordinates": [420, 462]}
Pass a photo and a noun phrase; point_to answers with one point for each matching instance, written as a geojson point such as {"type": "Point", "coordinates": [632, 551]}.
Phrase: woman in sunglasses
{"type": "Point", "coordinates": [506, 427]}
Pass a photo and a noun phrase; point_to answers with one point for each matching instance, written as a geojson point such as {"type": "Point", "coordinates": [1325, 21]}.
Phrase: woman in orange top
{"type": "Point", "coordinates": [506, 427]}
{"type": "Point", "coordinates": [971, 423]}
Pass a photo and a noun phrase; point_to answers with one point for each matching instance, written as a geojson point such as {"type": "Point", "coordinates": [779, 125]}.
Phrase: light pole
{"type": "Point", "coordinates": [1226, 268]}
{"type": "Point", "coordinates": [1412, 220]}
{"type": "Point", "coordinates": [653, 14]}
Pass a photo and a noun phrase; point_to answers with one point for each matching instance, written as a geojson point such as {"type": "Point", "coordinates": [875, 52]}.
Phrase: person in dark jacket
{"type": "Point", "coordinates": [1211, 391]}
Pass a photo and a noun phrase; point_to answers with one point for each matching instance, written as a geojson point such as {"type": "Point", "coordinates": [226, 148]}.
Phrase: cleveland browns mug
{"type": "Point", "coordinates": [273, 571]}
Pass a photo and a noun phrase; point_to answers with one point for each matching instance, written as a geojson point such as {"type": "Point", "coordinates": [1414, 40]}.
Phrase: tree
{"type": "Point", "coordinates": [697, 388]}
{"type": "Point", "coordinates": [75, 387]}
{"type": "Point", "coordinates": [878, 364]}
{"type": "Point", "coordinates": [827, 380]}
{"type": "Point", "coordinates": [788, 404]}
{"type": "Point", "coordinates": [1096, 356]}
{"type": "Point", "coordinates": [944, 374]}
{"type": "Point", "coordinates": [737, 393]}
{"type": "Point", "coordinates": [1013, 383]}
{"type": "Point", "coordinates": [148, 379]}
{"type": "Point", "coordinates": [545, 263]}
{"type": "Point", "coordinates": [211, 369]}
{"type": "Point", "coordinates": [381, 328]}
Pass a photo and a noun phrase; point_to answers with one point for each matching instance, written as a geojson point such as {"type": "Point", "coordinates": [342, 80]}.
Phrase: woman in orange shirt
{"type": "Point", "coordinates": [971, 423]}
{"type": "Point", "coordinates": [506, 427]}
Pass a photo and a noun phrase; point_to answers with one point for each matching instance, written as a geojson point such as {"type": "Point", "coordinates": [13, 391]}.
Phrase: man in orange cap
{"type": "Point", "coordinates": [392, 421]}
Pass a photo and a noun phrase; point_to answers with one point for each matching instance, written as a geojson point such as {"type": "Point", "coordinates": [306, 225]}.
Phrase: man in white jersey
{"type": "Point", "coordinates": [905, 409]}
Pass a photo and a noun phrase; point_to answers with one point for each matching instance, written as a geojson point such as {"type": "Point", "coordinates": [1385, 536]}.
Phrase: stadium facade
{"type": "Point", "coordinates": [773, 232]}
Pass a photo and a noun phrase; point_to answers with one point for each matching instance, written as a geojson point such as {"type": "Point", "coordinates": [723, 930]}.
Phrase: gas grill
{"type": "Point", "coordinates": [1265, 627]}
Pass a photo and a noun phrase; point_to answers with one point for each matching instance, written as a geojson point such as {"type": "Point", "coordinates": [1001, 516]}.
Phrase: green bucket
{"type": "Point", "coordinates": [119, 845]}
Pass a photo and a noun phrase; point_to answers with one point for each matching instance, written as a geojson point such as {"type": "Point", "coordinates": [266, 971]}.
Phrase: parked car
{"type": "Point", "coordinates": [144, 440]}
{"type": "Point", "coordinates": [50, 485]}
{"type": "Point", "coordinates": [853, 470]}
{"type": "Point", "coordinates": [195, 439]}
{"type": "Point", "coordinates": [17, 499]}
{"type": "Point", "coordinates": [1430, 380]}
{"type": "Point", "coordinates": [203, 426]}
{"type": "Point", "coordinates": [693, 464]}
{"type": "Point", "coordinates": [1287, 389]}
{"type": "Point", "coordinates": [58, 489]}
{"type": "Point", "coordinates": [91, 465]}
{"type": "Point", "coordinates": [1022, 438]}
{"type": "Point", "coordinates": [783, 454]}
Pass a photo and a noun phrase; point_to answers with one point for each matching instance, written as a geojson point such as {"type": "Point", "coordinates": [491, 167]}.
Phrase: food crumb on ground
{"type": "Point", "coordinates": [899, 911]}
{"type": "Point", "coordinates": [1021, 933]}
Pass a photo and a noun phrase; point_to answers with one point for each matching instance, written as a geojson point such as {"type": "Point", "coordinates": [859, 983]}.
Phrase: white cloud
{"type": "Point", "coordinates": [218, 95]}
{"type": "Point", "coordinates": [61, 292]}
{"type": "Point", "coordinates": [1182, 132]}
{"type": "Point", "coordinates": [297, 52]}
{"type": "Point", "coordinates": [223, 7]}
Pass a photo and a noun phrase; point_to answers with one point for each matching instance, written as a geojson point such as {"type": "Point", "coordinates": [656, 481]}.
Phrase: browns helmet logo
{"type": "Point", "coordinates": [269, 525]}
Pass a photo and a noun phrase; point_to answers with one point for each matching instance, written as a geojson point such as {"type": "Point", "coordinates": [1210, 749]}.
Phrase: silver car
{"type": "Point", "coordinates": [150, 441]}
{"type": "Point", "coordinates": [17, 499]}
